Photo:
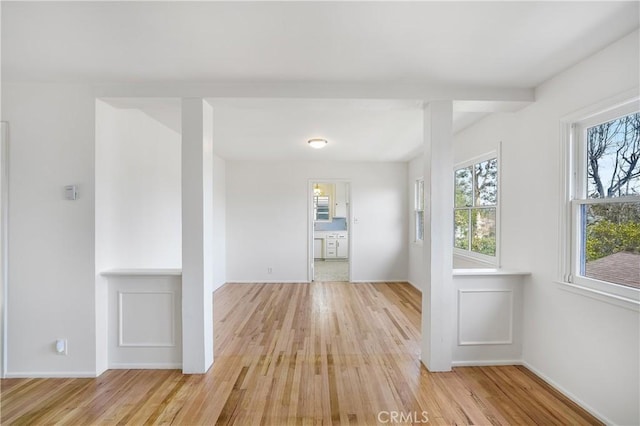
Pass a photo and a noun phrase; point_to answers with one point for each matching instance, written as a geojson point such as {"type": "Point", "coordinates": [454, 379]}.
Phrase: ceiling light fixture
{"type": "Point", "coordinates": [317, 143]}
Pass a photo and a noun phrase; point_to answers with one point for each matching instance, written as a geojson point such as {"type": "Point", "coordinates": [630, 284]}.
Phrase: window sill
{"type": "Point", "coordinates": [623, 302]}
{"type": "Point", "coordinates": [473, 272]}
{"type": "Point", "coordinates": [131, 272]}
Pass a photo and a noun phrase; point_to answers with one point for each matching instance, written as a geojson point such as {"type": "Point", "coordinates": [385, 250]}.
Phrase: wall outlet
{"type": "Point", "coordinates": [269, 270]}
{"type": "Point", "coordinates": [61, 346]}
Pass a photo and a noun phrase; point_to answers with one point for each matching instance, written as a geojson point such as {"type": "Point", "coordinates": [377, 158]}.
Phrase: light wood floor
{"type": "Point", "coordinates": [322, 353]}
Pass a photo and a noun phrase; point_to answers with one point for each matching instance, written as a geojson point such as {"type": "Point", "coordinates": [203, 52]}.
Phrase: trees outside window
{"type": "Point", "coordinates": [475, 208]}
{"type": "Point", "coordinates": [607, 200]}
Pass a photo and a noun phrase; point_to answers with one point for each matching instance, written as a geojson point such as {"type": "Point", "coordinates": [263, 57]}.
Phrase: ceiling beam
{"type": "Point", "coordinates": [328, 90]}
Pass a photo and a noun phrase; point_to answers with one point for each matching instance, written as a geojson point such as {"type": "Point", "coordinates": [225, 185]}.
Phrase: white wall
{"type": "Point", "coordinates": [138, 194]}
{"type": "Point", "coordinates": [267, 213]}
{"type": "Point", "coordinates": [219, 222]}
{"type": "Point", "coordinates": [586, 347]}
{"type": "Point", "coordinates": [51, 243]}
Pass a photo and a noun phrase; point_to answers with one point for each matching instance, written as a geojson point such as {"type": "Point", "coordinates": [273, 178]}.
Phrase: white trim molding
{"type": "Point", "coordinates": [4, 243]}
{"type": "Point", "coordinates": [51, 375]}
{"type": "Point", "coordinates": [146, 366]}
{"type": "Point", "coordinates": [571, 156]}
{"type": "Point", "coordinates": [168, 344]}
{"type": "Point", "coordinates": [566, 393]}
{"type": "Point", "coordinates": [487, 363]}
{"type": "Point", "coordinates": [507, 341]}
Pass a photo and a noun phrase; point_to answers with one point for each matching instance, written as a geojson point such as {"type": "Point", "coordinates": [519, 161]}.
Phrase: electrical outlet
{"type": "Point", "coordinates": [269, 270]}
{"type": "Point", "coordinates": [61, 346]}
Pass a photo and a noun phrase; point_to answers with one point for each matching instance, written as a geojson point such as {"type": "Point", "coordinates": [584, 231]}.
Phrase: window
{"type": "Point", "coordinates": [321, 208]}
{"type": "Point", "coordinates": [605, 201]}
{"type": "Point", "coordinates": [476, 209]}
{"type": "Point", "coordinates": [418, 207]}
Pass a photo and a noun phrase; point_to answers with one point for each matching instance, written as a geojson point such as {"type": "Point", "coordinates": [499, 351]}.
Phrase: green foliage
{"type": "Point", "coordinates": [484, 245]}
{"type": "Point", "coordinates": [483, 228]}
{"type": "Point", "coordinates": [461, 229]}
{"type": "Point", "coordinates": [463, 188]}
{"type": "Point", "coordinates": [605, 237]}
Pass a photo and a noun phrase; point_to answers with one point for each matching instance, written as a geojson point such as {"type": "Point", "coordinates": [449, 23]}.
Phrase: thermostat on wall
{"type": "Point", "coordinates": [71, 192]}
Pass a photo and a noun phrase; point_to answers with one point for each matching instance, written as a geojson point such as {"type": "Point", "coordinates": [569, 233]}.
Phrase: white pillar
{"type": "Point", "coordinates": [197, 236]}
{"type": "Point", "coordinates": [437, 298]}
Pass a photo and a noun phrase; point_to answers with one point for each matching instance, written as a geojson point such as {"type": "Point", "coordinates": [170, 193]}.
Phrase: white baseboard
{"type": "Point", "coordinates": [307, 282]}
{"type": "Point", "coordinates": [50, 375]}
{"type": "Point", "coordinates": [544, 377]}
{"type": "Point", "coordinates": [146, 366]}
{"type": "Point", "coordinates": [415, 286]}
{"type": "Point", "coordinates": [267, 282]}
{"type": "Point", "coordinates": [568, 394]}
{"type": "Point", "coordinates": [488, 363]}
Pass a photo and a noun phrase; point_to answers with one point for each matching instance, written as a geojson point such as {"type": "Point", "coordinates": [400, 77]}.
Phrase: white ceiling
{"type": "Point", "coordinates": [278, 129]}
{"type": "Point", "coordinates": [501, 44]}
{"type": "Point", "coordinates": [356, 130]}
{"type": "Point", "coordinates": [483, 45]}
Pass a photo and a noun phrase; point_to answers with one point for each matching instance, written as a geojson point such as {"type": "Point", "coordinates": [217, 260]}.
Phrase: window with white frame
{"type": "Point", "coordinates": [418, 207]}
{"type": "Point", "coordinates": [476, 208]}
{"type": "Point", "coordinates": [605, 201]}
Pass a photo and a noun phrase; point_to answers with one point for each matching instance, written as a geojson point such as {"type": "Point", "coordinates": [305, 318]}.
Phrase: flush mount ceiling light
{"type": "Point", "coordinates": [317, 143]}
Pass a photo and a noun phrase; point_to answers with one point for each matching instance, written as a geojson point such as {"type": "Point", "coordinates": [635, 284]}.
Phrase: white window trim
{"type": "Point", "coordinates": [489, 260]}
{"type": "Point", "coordinates": [415, 211]}
{"type": "Point", "coordinates": [572, 152]}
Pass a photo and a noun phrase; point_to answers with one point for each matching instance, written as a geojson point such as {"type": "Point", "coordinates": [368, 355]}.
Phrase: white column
{"type": "Point", "coordinates": [437, 298]}
{"type": "Point", "coordinates": [197, 236]}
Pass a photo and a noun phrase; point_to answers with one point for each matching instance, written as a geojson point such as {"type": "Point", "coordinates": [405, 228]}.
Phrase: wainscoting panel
{"type": "Point", "coordinates": [147, 318]}
{"type": "Point", "coordinates": [488, 317]}
{"type": "Point", "coordinates": [485, 317]}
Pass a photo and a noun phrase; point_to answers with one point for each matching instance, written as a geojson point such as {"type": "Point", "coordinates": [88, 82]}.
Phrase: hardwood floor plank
{"type": "Point", "coordinates": [300, 354]}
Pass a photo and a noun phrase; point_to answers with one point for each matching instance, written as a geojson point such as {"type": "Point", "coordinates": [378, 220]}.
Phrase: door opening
{"type": "Point", "coordinates": [330, 230]}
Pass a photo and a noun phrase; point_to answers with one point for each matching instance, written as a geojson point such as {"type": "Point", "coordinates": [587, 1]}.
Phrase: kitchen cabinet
{"type": "Point", "coordinates": [342, 246]}
{"type": "Point", "coordinates": [336, 246]}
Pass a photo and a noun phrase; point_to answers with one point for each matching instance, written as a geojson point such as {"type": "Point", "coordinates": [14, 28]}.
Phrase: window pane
{"type": "Point", "coordinates": [486, 183]}
{"type": "Point", "coordinates": [461, 229]}
{"type": "Point", "coordinates": [420, 194]}
{"type": "Point", "coordinates": [613, 148]}
{"type": "Point", "coordinates": [419, 226]}
{"type": "Point", "coordinates": [611, 235]}
{"type": "Point", "coordinates": [463, 188]}
{"type": "Point", "coordinates": [483, 231]}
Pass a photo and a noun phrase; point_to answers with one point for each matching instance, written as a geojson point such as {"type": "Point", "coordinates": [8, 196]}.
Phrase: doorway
{"type": "Point", "coordinates": [330, 230]}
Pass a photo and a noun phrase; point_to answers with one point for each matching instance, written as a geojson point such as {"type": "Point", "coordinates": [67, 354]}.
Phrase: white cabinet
{"type": "Point", "coordinates": [341, 198]}
{"type": "Point", "coordinates": [330, 246]}
{"type": "Point", "coordinates": [342, 246]}
{"type": "Point", "coordinates": [336, 245]}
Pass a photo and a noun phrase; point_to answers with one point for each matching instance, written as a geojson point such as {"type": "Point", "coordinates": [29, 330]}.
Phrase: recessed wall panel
{"type": "Point", "coordinates": [485, 317]}
{"type": "Point", "coordinates": [146, 319]}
